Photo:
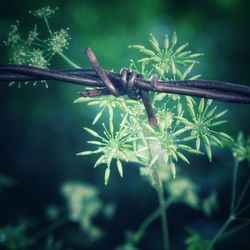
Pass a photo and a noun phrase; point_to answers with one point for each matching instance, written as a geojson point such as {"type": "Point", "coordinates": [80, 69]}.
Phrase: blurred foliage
{"type": "Point", "coordinates": [14, 237]}
{"type": "Point", "coordinates": [195, 242]}
{"type": "Point", "coordinates": [84, 205]}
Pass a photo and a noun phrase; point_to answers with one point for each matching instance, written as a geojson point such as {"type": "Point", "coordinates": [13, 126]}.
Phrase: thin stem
{"type": "Point", "coordinates": [219, 233]}
{"type": "Point", "coordinates": [244, 219]}
{"type": "Point", "coordinates": [66, 59]}
{"type": "Point", "coordinates": [231, 215]}
{"type": "Point", "coordinates": [242, 209]}
{"type": "Point", "coordinates": [243, 194]}
{"type": "Point", "coordinates": [148, 221]}
{"type": "Point", "coordinates": [157, 184]}
{"type": "Point", "coordinates": [48, 26]}
{"type": "Point", "coordinates": [236, 229]}
{"type": "Point", "coordinates": [234, 186]}
{"type": "Point", "coordinates": [164, 222]}
{"type": "Point", "coordinates": [160, 193]}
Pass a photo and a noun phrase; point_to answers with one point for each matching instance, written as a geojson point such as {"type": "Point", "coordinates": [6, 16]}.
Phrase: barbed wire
{"type": "Point", "coordinates": [127, 83]}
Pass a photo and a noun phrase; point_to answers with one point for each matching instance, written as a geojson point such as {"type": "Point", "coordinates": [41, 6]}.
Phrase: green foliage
{"type": "Point", "coordinates": [15, 237]}
{"type": "Point", "coordinates": [35, 50]}
{"type": "Point", "coordinates": [52, 244]}
{"type": "Point", "coordinates": [177, 130]}
{"type": "Point", "coordinates": [168, 62]}
{"type": "Point", "coordinates": [195, 242]}
{"type": "Point", "coordinates": [84, 205]}
{"type": "Point", "coordinates": [44, 12]}
{"type": "Point", "coordinates": [204, 119]}
{"type": "Point", "coordinates": [240, 147]}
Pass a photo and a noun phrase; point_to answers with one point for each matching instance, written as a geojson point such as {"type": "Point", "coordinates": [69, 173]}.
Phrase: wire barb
{"type": "Point", "coordinates": [127, 83]}
{"type": "Point", "coordinates": [102, 74]}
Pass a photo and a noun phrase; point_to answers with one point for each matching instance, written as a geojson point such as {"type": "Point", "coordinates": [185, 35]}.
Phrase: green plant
{"type": "Point", "coordinates": [186, 126]}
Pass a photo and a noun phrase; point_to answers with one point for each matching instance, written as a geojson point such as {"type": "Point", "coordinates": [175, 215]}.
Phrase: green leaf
{"type": "Point", "coordinates": [174, 39]}
{"type": "Point", "coordinates": [226, 136]}
{"type": "Point", "coordinates": [100, 160]}
{"type": "Point", "coordinates": [188, 138]}
{"type": "Point", "coordinates": [106, 176]}
{"type": "Point", "coordinates": [173, 68]}
{"type": "Point", "coordinates": [181, 131]}
{"type": "Point", "coordinates": [80, 99]}
{"type": "Point", "coordinates": [89, 152]}
{"type": "Point", "coordinates": [92, 132]}
{"type": "Point", "coordinates": [196, 55]}
{"type": "Point", "coordinates": [188, 149]}
{"type": "Point", "coordinates": [96, 143]}
{"type": "Point", "coordinates": [198, 143]}
{"type": "Point", "coordinates": [166, 42]}
{"type": "Point", "coordinates": [153, 161]}
{"type": "Point", "coordinates": [146, 59]}
{"type": "Point", "coordinates": [148, 52]}
{"type": "Point", "coordinates": [173, 169]}
{"type": "Point", "coordinates": [207, 147]}
{"type": "Point", "coordinates": [119, 167]}
{"type": "Point", "coordinates": [209, 102]}
{"type": "Point", "coordinates": [183, 157]}
{"type": "Point", "coordinates": [159, 97]}
{"type": "Point", "coordinates": [201, 105]}
{"type": "Point", "coordinates": [109, 159]}
{"type": "Point", "coordinates": [179, 108]}
{"type": "Point", "coordinates": [187, 71]}
{"type": "Point", "coordinates": [220, 114]}
{"type": "Point", "coordinates": [184, 54]}
{"type": "Point", "coordinates": [98, 116]}
{"type": "Point", "coordinates": [190, 100]}
{"type": "Point", "coordinates": [191, 110]}
{"type": "Point", "coordinates": [211, 112]}
{"type": "Point", "coordinates": [154, 43]}
{"type": "Point", "coordinates": [136, 46]}
{"type": "Point", "coordinates": [173, 155]}
{"type": "Point", "coordinates": [182, 47]}
{"type": "Point", "coordinates": [216, 140]}
{"type": "Point", "coordinates": [214, 124]}
{"type": "Point", "coordinates": [195, 77]}
{"type": "Point", "coordinates": [184, 120]}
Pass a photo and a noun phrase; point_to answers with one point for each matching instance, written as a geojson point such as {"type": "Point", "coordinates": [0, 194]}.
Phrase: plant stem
{"type": "Point", "coordinates": [236, 165]}
{"type": "Point", "coordinates": [231, 216]}
{"type": "Point", "coordinates": [48, 26]}
{"type": "Point", "coordinates": [164, 222]}
{"type": "Point", "coordinates": [219, 233]}
{"type": "Point", "coordinates": [236, 229]}
{"type": "Point", "coordinates": [157, 183]}
{"type": "Point", "coordinates": [66, 59]}
{"type": "Point", "coordinates": [150, 219]}
{"type": "Point", "coordinates": [242, 195]}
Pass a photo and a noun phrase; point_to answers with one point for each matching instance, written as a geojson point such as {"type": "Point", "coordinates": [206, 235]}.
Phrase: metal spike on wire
{"type": "Point", "coordinates": [127, 83]}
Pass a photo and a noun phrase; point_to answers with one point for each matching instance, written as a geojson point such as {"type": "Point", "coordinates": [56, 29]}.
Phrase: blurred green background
{"type": "Point", "coordinates": [41, 129]}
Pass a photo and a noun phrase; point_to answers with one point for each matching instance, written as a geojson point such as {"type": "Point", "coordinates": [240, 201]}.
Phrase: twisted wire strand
{"type": "Point", "coordinates": [221, 91]}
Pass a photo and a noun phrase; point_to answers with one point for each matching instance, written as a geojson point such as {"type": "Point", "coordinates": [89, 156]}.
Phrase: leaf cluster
{"type": "Point", "coordinates": [34, 50]}
{"type": "Point", "coordinates": [185, 126]}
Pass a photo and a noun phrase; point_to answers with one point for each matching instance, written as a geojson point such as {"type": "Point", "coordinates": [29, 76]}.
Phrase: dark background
{"type": "Point", "coordinates": [41, 129]}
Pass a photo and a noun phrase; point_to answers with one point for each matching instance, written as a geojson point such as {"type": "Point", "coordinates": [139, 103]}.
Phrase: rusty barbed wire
{"type": "Point", "coordinates": [127, 83]}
